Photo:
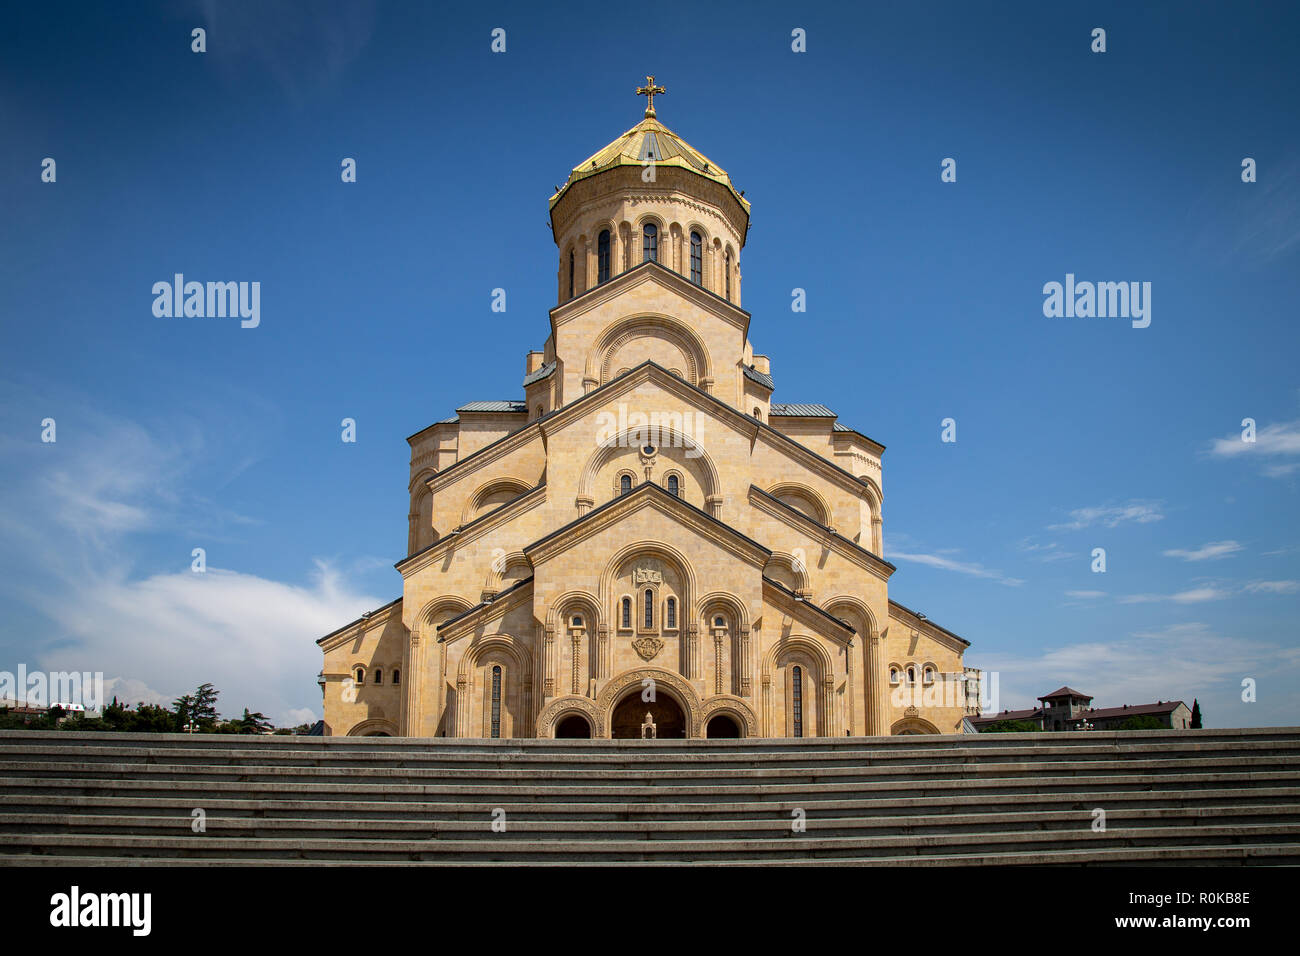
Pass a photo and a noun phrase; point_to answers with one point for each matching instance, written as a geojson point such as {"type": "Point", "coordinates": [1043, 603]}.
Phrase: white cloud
{"type": "Point", "coordinates": [1206, 552]}
{"type": "Point", "coordinates": [1177, 662]}
{"type": "Point", "coordinates": [1111, 516]}
{"type": "Point", "coordinates": [253, 638]}
{"type": "Point", "coordinates": [1281, 439]}
{"type": "Point", "coordinates": [1192, 596]}
{"type": "Point", "coordinates": [1085, 594]}
{"type": "Point", "coordinates": [961, 567]}
{"type": "Point", "coordinates": [1274, 587]}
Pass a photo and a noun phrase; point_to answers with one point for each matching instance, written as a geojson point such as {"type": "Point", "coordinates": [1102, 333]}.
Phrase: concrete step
{"type": "Point", "coordinates": [1213, 798]}
{"type": "Point", "coordinates": [1010, 804]}
{"type": "Point", "coordinates": [975, 826]}
{"type": "Point", "coordinates": [1261, 854]}
{"type": "Point", "coordinates": [507, 848]}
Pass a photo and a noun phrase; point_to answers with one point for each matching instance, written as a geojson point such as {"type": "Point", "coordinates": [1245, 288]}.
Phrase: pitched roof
{"type": "Point", "coordinates": [1132, 710]}
{"type": "Point", "coordinates": [505, 406]}
{"type": "Point", "coordinates": [1065, 692]}
{"type": "Point", "coordinates": [762, 378]}
{"type": "Point", "coordinates": [540, 374]}
{"type": "Point", "coordinates": [801, 410]}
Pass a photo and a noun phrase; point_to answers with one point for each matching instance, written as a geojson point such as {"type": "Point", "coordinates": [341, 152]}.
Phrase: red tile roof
{"type": "Point", "coordinates": [1065, 692]}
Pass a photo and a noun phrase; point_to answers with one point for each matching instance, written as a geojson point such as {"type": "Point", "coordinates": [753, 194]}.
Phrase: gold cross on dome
{"type": "Point", "coordinates": [649, 91]}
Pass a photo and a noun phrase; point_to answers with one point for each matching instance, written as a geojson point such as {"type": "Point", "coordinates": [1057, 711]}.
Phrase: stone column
{"type": "Point", "coordinates": [603, 662]}
{"type": "Point", "coordinates": [692, 653]}
{"type": "Point", "coordinates": [875, 691]}
{"type": "Point", "coordinates": [615, 251]}
{"type": "Point", "coordinates": [548, 663]}
{"type": "Point", "coordinates": [414, 678]}
{"type": "Point", "coordinates": [745, 672]}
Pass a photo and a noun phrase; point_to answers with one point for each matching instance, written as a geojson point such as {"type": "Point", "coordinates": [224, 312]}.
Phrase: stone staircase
{"type": "Point", "coordinates": [1216, 797]}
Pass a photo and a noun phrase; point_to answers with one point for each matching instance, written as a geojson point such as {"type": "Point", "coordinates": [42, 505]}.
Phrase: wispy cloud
{"type": "Point", "coordinates": [961, 567]}
{"type": "Point", "coordinates": [1044, 552]}
{"type": "Point", "coordinates": [1278, 440]}
{"type": "Point", "coordinates": [1111, 516]}
{"type": "Point", "coordinates": [1174, 662]}
{"type": "Point", "coordinates": [1086, 595]}
{"type": "Point", "coordinates": [1206, 552]}
{"type": "Point", "coordinates": [1274, 587]}
{"type": "Point", "coordinates": [1192, 596]}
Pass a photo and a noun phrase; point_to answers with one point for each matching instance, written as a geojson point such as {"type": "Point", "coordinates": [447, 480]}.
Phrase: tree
{"type": "Point", "coordinates": [1145, 722]}
{"type": "Point", "coordinates": [205, 705]}
{"type": "Point", "coordinates": [250, 723]}
{"type": "Point", "coordinates": [1012, 727]}
{"type": "Point", "coordinates": [1196, 714]}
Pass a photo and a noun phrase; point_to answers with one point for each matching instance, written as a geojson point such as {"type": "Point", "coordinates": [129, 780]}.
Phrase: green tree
{"type": "Point", "coordinates": [1012, 727]}
{"type": "Point", "coordinates": [1196, 714]}
{"type": "Point", "coordinates": [1145, 722]}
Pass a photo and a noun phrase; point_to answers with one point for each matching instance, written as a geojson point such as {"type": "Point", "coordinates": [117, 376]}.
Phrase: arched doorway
{"type": "Point", "coordinates": [627, 718]}
{"type": "Point", "coordinates": [722, 726]}
{"type": "Point", "coordinates": [573, 727]}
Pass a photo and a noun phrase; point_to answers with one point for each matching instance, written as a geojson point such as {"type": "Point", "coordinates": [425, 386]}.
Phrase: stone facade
{"type": "Point", "coordinates": [646, 539]}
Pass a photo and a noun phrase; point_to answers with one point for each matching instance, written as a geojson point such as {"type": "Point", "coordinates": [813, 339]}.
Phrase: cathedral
{"type": "Point", "coordinates": [645, 544]}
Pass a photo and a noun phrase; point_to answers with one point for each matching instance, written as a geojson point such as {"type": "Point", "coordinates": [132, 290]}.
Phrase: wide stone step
{"type": "Point", "coordinates": [433, 809]}
{"type": "Point", "coordinates": [975, 826]}
{"type": "Point", "coordinates": [649, 759]}
{"type": "Point", "coordinates": [709, 792]}
{"type": "Point", "coordinates": [1262, 854]}
{"type": "Point", "coordinates": [508, 849]}
{"type": "Point", "coordinates": [40, 769]}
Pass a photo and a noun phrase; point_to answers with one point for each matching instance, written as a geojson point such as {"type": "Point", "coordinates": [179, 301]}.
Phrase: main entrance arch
{"type": "Point", "coordinates": [631, 713]}
{"type": "Point", "coordinates": [643, 686]}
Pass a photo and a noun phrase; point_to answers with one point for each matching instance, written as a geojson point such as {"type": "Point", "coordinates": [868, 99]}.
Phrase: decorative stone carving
{"type": "Point", "coordinates": [647, 576]}
{"type": "Point", "coordinates": [648, 729]}
{"type": "Point", "coordinates": [648, 647]}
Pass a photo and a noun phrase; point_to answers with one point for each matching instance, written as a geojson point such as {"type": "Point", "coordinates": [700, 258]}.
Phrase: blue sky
{"type": "Point", "coordinates": [924, 302]}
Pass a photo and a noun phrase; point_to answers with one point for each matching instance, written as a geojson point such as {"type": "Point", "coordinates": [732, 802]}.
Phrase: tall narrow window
{"type": "Point", "coordinates": [496, 701]}
{"type": "Point", "coordinates": [673, 485]}
{"type": "Point", "coordinates": [397, 676]}
{"type": "Point", "coordinates": [649, 608]}
{"type": "Point", "coordinates": [625, 484]}
{"type": "Point", "coordinates": [570, 273]}
{"type": "Point", "coordinates": [379, 675]}
{"type": "Point", "coordinates": [602, 257]}
{"type": "Point", "coordinates": [670, 614]}
{"type": "Point", "coordinates": [796, 699]}
{"type": "Point", "coordinates": [726, 268]}
{"type": "Point", "coordinates": [651, 242]}
{"type": "Point", "coordinates": [627, 612]}
{"type": "Point", "coordinates": [697, 259]}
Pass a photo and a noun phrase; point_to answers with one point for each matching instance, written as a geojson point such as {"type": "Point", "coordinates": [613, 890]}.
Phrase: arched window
{"type": "Point", "coordinates": [650, 242]}
{"type": "Point", "coordinates": [570, 273]}
{"type": "Point", "coordinates": [673, 485]}
{"type": "Point", "coordinates": [727, 272]}
{"type": "Point", "coordinates": [397, 676]}
{"type": "Point", "coordinates": [602, 256]}
{"type": "Point", "coordinates": [649, 608]}
{"type": "Point", "coordinates": [379, 675]}
{"type": "Point", "coordinates": [911, 674]}
{"type": "Point", "coordinates": [719, 621]}
{"type": "Point", "coordinates": [796, 699]}
{"type": "Point", "coordinates": [670, 614]}
{"type": "Point", "coordinates": [625, 484]}
{"type": "Point", "coordinates": [927, 675]}
{"type": "Point", "coordinates": [758, 413]}
{"type": "Point", "coordinates": [577, 620]}
{"type": "Point", "coordinates": [697, 258]}
{"type": "Point", "coordinates": [359, 674]}
{"type": "Point", "coordinates": [496, 701]}
{"type": "Point", "coordinates": [627, 612]}
{"type": "Point", "coordinates": [893, 675]}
